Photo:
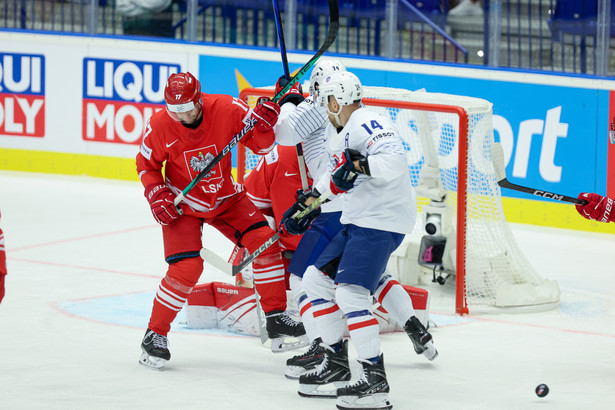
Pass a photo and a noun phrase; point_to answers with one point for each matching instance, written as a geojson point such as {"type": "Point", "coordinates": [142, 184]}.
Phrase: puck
{"type": "Point", "coordinates": [542, 390]}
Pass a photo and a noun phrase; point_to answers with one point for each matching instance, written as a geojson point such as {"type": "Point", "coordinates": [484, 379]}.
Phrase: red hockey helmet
{"type": "Point", "coordinates": [182, 93]}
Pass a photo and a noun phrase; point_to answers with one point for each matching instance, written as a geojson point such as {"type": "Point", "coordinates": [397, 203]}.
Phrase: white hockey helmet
{"type": "Point", "coordinates": [344, 86]}
{"type": "Point", "coordinates": [322, 69]}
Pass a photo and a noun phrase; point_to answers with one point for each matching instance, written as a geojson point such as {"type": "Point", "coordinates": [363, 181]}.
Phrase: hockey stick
{"type": "Point", "coordinates": [278, 24]}
{"type": "Point", "coordinates": [497, 156]}
{"type": "Point", "coordinates": [331, 35]}
{"type": "Point", "coordinates": [302, 168]}
{"type": "Point", "coordinates": [299, 147]}
{"type": "Point", "coordinates": [233, 270]}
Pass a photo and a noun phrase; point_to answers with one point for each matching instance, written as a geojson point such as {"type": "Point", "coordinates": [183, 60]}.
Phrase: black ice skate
{"type": "Point", "coordinates": [332, 373]}
{"type": "Point", "coordinates": [371, 391]}
{"type": "Point", "coordinates": [284, 332]}
{"type": "Point", "coordinates": [155, 350]}
{"type": "Point", "coordinates": [421, 338]}
{"type": "Point", "coordinates": [303, 363]}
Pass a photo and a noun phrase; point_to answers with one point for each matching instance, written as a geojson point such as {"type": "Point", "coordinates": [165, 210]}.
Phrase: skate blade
{"type": "Point", "coordinates": [324, 391]}
{"type": "Point", "coordinates": [284, 344]}
{"type": "Point", "coordinates": [294, 372]}
{"type": "Point", "coordinates": [152, 362]}
{"type": "Point", "coordinates": [375, 401]}
{"type": "Point", "coordinates": [430, 351]}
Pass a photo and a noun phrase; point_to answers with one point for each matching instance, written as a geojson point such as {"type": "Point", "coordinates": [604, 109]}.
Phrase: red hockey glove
{"type": "Point", "coordinates": [598, 207]}
{"type": "Point", "coordinates": [343, 176]}
{"type": "Point", "coordinates": [266, 113]}
{"type": "Point", "coordinates": [160, 199]}
{"type": "Point", "coordinates": [294, 95]}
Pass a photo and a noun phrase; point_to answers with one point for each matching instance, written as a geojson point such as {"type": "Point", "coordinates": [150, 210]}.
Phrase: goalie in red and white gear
{"type": "Point", "coordinates": [598, 208]}
{"type": "Point", "coordinates": [183, 139]}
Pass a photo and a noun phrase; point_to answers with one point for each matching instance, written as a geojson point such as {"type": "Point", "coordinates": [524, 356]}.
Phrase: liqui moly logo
{"type": "Point", "coordinates": [22, 95]}
{"type": "Point", "coordinates": [120, 96]}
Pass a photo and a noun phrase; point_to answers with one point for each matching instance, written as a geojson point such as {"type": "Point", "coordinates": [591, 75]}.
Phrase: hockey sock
{"type": "Point", "coordinates": [172, 294]}
{"type": "Point", "coordinates": [328, 319]}
{"type": "Point", "coordinates": [356, 303]}
{"type": "Point", "coordinates": [305, 307]}
{"type": "Point", "coordinates": [394, 299]}
{"type": "Point", "coordinates": [269, 282]}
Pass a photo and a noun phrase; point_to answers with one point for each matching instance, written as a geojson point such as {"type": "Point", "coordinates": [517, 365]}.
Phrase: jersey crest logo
{"type": "Point", "coordinates": [200, 162]}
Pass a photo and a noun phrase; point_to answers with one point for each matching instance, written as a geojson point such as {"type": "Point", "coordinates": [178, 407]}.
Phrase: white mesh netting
{"type": "Point", "coordinates": [497, 274]}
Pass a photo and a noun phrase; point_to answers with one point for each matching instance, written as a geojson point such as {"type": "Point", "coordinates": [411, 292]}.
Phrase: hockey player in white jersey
{"type": "Point", "coordinates": [306, 123]}
{"type": "Point", "coordinates": [390, 294]}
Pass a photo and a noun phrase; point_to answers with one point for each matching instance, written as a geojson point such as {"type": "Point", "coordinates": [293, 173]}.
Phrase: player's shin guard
{"type": "Point", "coordinates": [371, 391]}
{"type": "Point", "coordinates": [170, 298]}
{"type": "Point", "coordinates": [394, 299]}
{"type": "Point", "coordinates": [355, 302]}
{"type": "Point", "coordinates": [305, 307]}
{"type": "Point", "coordinates": [332, 373]}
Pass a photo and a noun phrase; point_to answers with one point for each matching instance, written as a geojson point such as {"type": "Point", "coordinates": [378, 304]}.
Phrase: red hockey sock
{"type": "Point", "coordinates": [172, 293]}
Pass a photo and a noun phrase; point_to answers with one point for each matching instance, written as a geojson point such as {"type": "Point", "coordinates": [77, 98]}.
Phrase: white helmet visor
{"type": "Point", "coordinates": [173, 109]}
{"type": "Point", "coordinates": [189, 106]}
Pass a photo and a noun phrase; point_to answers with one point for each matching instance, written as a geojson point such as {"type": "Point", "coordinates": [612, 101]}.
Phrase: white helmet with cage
{"type": "Point", "coordinates": [322, 69]}
{"type": "Point", "coordinates": [344, 86]}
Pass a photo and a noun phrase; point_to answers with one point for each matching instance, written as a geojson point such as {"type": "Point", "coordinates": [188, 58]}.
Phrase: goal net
{"type": "Point", "coordinates": [461, 233]}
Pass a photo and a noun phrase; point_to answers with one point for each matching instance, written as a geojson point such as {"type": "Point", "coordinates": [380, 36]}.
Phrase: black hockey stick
{"type": "Point", "coordinates": [233, 270]}
{"type": "Point", "coordinates": [299, 147]}
{"type": "Point", "coordinates": [334, 18]}
{"type": "Point", "coordinates": [497, 156]}
{"type": "Point", "coordinates": [278, 24]}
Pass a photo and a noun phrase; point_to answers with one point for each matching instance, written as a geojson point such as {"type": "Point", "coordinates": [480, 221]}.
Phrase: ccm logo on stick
{"type": "Point", "coordinates": [548, 195]}
{"type": "Point", "coordinates": [120, 96]}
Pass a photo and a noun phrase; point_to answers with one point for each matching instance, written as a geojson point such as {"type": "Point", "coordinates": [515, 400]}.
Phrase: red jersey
{"type": "Point", "coordinates": [2, 254]}
{"type": "Point", "coordinates": [274, 184]}
{"type": "Point", "coordinates": [187, 151]}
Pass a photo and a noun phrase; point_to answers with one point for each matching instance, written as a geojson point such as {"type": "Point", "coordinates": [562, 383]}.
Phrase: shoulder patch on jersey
{"type": "Point", "coordinates": [272, 156]}
{"type": "Point", "coordinates": [145, 150]}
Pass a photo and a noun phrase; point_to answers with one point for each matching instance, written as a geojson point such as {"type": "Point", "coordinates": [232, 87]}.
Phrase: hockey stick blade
{"type": "Point", "coordinates": [331, 35]}
{"type": "Point", "coordinates": [497, 156]}
{"type": "Point", "coordinates": [216, 261]}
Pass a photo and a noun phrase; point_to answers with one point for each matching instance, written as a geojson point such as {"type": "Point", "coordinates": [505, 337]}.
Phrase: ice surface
{"type": "Point", "coordinates": [85, 258]}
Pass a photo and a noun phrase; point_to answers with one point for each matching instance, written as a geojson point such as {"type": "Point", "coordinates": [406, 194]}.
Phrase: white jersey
{"type": "Point", "coordinates": [306, 123]}
{"type": "Point", "coordinates": [385, 200]}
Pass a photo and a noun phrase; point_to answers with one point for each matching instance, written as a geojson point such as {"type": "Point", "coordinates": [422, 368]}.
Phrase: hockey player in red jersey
{"type": "Point", "coordinates": [2, 264]}
{"type": "Point", "coordinates": [598, 207]}
{"type": "Point", "coordinates": [272, 186]}
{"type": "Point", "coordinates": [183, 139]}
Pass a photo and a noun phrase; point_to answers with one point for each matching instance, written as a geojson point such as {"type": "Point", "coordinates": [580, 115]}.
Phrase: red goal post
{"type": "Point", "coordinates": [450, 137]}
